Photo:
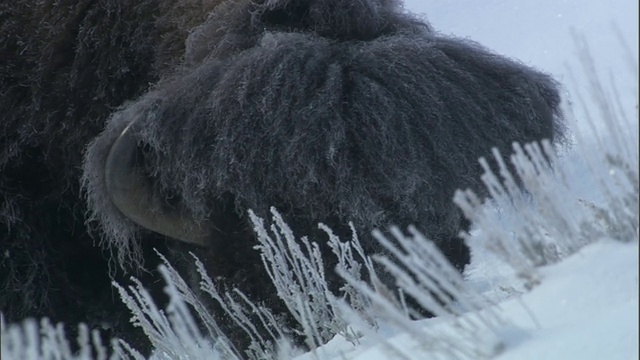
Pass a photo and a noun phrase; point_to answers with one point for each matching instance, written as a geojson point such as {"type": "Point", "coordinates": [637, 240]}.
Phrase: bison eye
{"type": "Point", "coordinates": [130, 190]}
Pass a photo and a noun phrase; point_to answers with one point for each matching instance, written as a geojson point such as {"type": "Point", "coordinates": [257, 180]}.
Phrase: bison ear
{"type": "Point", "coordinates": [130, 190]}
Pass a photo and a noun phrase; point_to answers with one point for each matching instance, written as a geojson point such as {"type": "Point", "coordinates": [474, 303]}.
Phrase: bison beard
{"type": "Point", "coordinates": [331, 111]}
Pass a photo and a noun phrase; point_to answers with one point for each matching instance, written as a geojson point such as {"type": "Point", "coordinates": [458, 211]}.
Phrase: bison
{"type": "Point", "coordinates": [330, 110]}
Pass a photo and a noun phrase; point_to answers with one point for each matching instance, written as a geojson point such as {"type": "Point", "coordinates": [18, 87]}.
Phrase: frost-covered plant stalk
{"type": "Point", "coordinates": [32, 340]}
{"type": "Point", "coordinates": [255, 320]}
{"type": "Point", "coordinates": [542, 215]}
{"type": "Point", "coordinates": [173, 332]}
{"type": "Point", "coordinates": [297, 271]}
{"type": "Point", "coordinates": [424, 275]}
{"type": "Point", "coordinates": [551, 220]}
{"type": "Point", "coordinates": [296, 268]}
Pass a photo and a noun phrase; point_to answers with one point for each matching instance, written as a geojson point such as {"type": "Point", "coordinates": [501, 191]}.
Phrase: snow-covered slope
{"type": "Point", "coordinates": [585, 308]}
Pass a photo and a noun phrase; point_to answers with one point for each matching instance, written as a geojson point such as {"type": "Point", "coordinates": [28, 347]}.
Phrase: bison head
{"type": "Point", "coordinates": [331, 111]}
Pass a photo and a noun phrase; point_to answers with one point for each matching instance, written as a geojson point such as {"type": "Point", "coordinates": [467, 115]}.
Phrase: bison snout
{"type": "Point", "coordinates": [130, 190]}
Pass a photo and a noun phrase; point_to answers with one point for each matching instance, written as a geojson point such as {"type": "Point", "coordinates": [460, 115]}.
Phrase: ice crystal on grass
{"type": "Point", "coordinates": [541, 214]}
{"type": "Point", "coordinates": [551, 221]}
{"type": "Point", "coordinates": [32, 340]}
{"type": "Point", "coordinates": [173, 332]}
{"type": "Point", "coordinates": [297, 271]}
{"type": "Point", "coordinates": [424, 275]}
{"type": "Point", "coordinates": [267, 337]}
{"type": "Point", "coordinates": [296, 267]}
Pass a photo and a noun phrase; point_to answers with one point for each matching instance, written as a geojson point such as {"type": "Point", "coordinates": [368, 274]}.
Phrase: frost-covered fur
{"type": "Point", "coordinates": [376, 120]}
{"type": "Point", "coordinates": [330, 111]}
{"type": "Point", "coordinates": [65, 65]}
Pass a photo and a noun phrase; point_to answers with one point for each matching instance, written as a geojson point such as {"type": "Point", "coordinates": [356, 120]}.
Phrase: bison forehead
{"type": "Point", "coordinates": [375, 129]}
{"type": "Point", "coordinates": [238, 25]}
{"type": "Point", "coordinates": [320, 122]}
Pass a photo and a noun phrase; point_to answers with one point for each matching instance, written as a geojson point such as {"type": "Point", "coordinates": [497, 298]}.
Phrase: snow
{"type": "Point", "coordinates": [585, 307]}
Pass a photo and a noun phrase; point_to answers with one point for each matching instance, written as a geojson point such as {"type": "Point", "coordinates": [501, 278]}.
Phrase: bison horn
{"type": "Point", "coordinates": [130, 191]}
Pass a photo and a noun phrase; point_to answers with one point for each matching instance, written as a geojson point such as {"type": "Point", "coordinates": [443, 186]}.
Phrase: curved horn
{"type": "Point", "coordinates": [130, 191]}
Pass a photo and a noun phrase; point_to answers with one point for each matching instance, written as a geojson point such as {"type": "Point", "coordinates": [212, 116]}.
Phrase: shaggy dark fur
{"type": "Point", "coordinates": [65, 65]}
{"type": "Point", "coordinates": [331, 111]}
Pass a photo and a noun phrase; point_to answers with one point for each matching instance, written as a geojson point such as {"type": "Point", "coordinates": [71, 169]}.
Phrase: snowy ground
{"type": "Point", "coordinates": [586, 307]}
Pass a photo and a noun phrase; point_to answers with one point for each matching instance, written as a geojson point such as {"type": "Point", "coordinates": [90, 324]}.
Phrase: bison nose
{"type": "Point", "coordinates": [130, 190]}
